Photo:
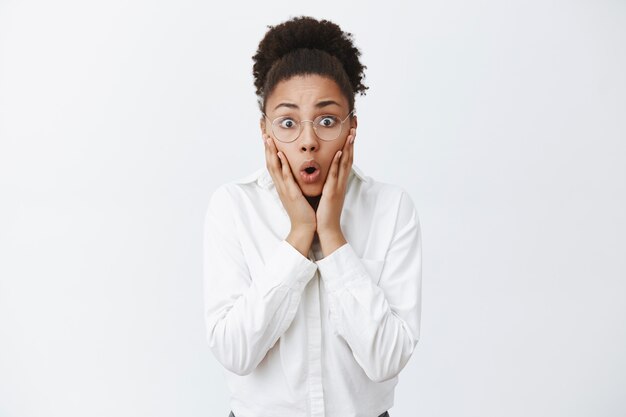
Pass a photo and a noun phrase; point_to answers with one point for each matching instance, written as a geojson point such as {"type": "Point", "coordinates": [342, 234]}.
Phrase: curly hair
{"type": "Point", "coordinates": [304, 45]}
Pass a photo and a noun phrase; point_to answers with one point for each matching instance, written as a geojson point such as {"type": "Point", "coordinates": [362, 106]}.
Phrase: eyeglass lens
{"type": "Point", "coordinates": [327, 127]}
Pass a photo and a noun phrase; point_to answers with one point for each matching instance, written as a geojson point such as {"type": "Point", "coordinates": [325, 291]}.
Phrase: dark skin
{"type": "Point", "coordinates": [314, 209]}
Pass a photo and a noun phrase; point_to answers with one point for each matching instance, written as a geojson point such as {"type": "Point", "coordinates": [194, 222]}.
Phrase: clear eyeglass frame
{"type": "Point", "coordinates": [314, 124]}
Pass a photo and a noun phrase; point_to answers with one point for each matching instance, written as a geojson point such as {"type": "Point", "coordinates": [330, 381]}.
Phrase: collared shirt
{"type": "Point", "coordinates": [311, 336]}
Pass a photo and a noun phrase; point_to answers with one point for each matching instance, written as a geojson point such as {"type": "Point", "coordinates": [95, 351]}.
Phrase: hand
{"type": "Point", "coordinates": [333, 194]}
{"type": "Point", "coordinates": [301, 214]}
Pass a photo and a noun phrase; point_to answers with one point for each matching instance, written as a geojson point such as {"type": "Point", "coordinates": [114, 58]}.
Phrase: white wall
{"type": "Point", "coordinates": [504, 119]}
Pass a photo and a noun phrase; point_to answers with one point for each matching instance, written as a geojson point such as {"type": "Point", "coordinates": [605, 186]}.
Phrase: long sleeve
{"type": "Point", "coordinates": [379, 321]}
{"type": "Point", "coordinates": [245, 317]}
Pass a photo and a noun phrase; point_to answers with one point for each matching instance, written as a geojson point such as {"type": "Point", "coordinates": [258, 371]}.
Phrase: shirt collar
{"type": "Point", "coordinates": [264, 179]}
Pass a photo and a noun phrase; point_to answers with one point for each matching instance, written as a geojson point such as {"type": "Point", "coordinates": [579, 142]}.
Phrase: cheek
{"type": "Point", "coordinates": [280, 146]}
{"type": "Point", "coordinates": [287, 152]}
{"type": "Point", "coordinates": [334, 149]}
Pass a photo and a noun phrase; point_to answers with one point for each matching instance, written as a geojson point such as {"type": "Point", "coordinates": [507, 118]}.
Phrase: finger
{"type": "Point", "coordinates": [350, 154]}
{"type": "Point", "coordinates": [271, 159]}
{"type": "Point", "coordinates": [353, 134]}
{"type": "Point", "coordinates": [333, 172]}
{"type": "Point", "coordinates": [348, 144]}
{"type": "Point", "coordinates": [284, 166]}
{"type": "Point", "coordinates": [275, 164]}
{"type": "Point", "coordinates": [349, 141]}
{"type": "Point", "coordinates": [287, 176]}
{"type": "Point", "coordinates": [347, 148]}
{"type": "Point", "coordinates": [345, 164]}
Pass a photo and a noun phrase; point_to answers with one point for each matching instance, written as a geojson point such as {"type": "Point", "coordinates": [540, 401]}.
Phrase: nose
{"type": "Point", "coordinates": [308, 138]}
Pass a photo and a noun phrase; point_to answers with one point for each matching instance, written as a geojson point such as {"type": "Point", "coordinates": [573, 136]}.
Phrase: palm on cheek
{"type": "Point", "coordinates": [300, 212]}
{"type": "Point", "coordinates": [333, 193]}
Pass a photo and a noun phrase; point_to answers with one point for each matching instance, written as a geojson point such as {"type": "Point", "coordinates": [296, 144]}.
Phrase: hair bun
{"type": "Point", "coordinates": [307, 32]}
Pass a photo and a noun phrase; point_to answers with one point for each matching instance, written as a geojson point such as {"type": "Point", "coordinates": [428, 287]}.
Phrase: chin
{"type": "Point", "coordinates": [311, 190]}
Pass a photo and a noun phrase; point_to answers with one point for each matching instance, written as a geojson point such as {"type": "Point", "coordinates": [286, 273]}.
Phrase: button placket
{"type": "Point", "coordinates": [314, 348]}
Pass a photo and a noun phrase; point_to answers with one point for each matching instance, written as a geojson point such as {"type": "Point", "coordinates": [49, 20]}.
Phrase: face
{"type": "Point", "coordinates": [305, 98]}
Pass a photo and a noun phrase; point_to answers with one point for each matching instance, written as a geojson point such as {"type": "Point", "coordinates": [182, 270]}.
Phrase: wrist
{"type": "Point", "coordinates": [331, 241]}
{"type": "Point", "coordinates": [329, 232]}
{"type": "Point", "coordinates": [301, 239]}
{"type": "Point", "coordinates": [302, 230]}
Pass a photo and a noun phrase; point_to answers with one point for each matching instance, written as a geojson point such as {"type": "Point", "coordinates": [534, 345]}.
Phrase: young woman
{"type": "Point", "coordinates": [312, 270]}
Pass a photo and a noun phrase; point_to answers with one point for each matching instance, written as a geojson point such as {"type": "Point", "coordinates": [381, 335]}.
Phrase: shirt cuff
{"type": "Point", "coordinates": [287, 267]}
{"type": "Point", "coordinates": [341, 267]}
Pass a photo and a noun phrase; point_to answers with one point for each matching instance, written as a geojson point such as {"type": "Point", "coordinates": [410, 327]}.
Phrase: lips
{"type": "Point", "coordinates": [310, 172]}
{"type": "Point", "coordinates": [310, 167]}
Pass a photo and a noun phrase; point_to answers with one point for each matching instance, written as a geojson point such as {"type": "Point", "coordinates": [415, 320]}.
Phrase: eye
{"type": "Point", "coordinates": [327, 121]}
{"type": "Point", "coordinates": [286, 123]}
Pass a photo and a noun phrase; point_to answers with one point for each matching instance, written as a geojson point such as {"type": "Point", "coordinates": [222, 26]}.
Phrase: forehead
{"type": "Point", "coordinates": [306, 91]}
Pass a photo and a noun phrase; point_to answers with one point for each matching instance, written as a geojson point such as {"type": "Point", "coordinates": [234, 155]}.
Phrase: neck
{"type": "Point", "coordinates": [314, 201]}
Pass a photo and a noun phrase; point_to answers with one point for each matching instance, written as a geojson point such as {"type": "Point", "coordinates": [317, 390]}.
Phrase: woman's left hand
{"type": "Point", "coordinates": [331, 202]}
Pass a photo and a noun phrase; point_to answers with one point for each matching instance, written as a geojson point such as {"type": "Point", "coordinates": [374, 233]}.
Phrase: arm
{"type": "Point", "coordinates": [380, 323]}
{"type": "Point", "coordinates": [244, 317]}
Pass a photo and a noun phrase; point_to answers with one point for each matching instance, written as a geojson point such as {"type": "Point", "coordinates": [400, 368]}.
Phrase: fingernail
{"type": "Point", "coordinates": [340, 154]}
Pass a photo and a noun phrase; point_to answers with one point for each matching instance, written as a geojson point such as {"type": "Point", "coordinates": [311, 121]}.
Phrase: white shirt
{"type": "Point", "coordinates": [314, 337]}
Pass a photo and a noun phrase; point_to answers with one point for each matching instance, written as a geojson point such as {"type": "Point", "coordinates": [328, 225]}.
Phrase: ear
{"type": "Point", "coordinates": [354, 122]}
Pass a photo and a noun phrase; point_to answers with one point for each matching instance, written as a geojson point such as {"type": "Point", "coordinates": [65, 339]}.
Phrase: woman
{"type": "Point", "coordinates": [312, 270]}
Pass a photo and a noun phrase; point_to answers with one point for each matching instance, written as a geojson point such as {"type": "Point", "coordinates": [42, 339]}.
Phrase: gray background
{"type": "Point", "coordinates": [505, 120]}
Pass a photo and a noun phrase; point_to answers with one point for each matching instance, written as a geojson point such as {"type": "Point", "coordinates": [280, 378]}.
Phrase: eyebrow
{"type": "Point", "coordinates": [319, 105]}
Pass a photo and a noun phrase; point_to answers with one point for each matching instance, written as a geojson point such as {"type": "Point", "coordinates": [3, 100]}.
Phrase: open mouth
{"type": "Point", "coordinates": [310, 172]}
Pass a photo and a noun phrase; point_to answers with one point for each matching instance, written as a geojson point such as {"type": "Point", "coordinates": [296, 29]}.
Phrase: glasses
{"type": "Point", "coordinates": [327, 127]}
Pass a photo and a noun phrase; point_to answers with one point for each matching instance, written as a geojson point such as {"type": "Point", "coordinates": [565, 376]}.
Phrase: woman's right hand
{"type": "Point", "coordinates": [301, 214]}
